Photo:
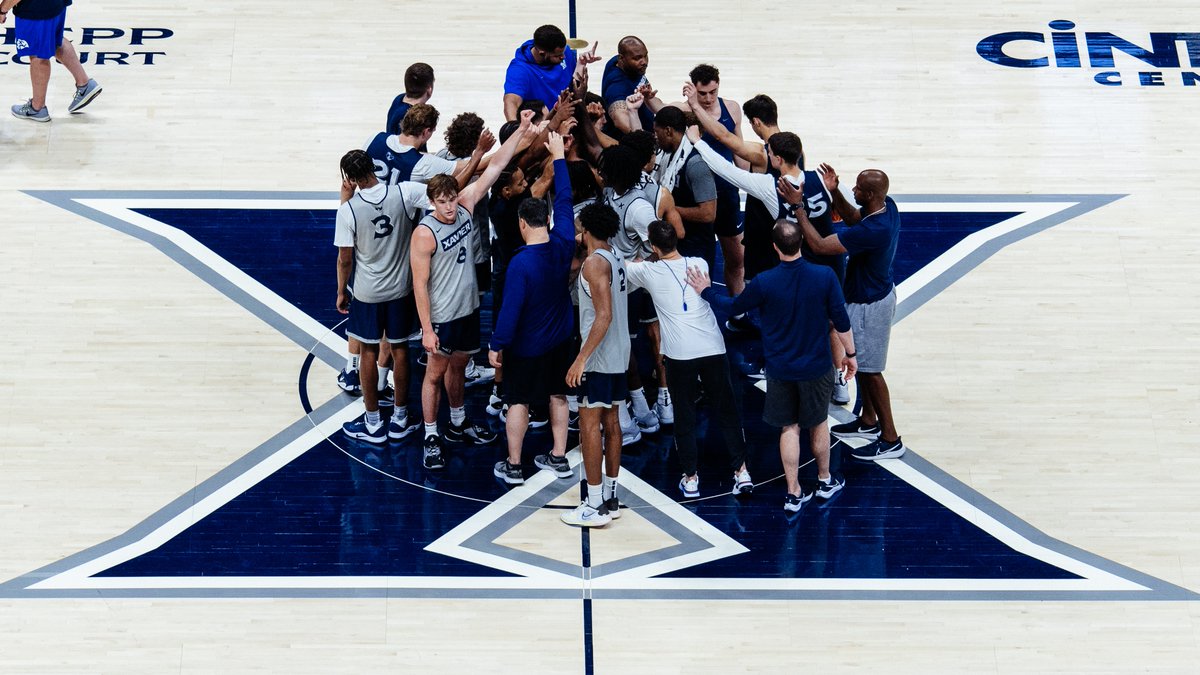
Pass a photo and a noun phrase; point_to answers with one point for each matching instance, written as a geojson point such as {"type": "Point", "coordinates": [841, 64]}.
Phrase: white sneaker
{"type": "Point", "coordinates": [495, 405]}
{"type": "Point", "coordinates": [586, 516]}
{"type": "Point", "coordinates": [647, 423]}
{"type": "Point", "coordinates": [664, 408]}
{"type": "Point", "coordinates": [630, 431]}
{"type": "Point", "coordinates": [841, 390]}
{"type": "Point", "coordinates": [477, 374]}
{"type": "Point", "coordinates": [690, 487]}
{"type": "Point", "coordinates": [742, 484]}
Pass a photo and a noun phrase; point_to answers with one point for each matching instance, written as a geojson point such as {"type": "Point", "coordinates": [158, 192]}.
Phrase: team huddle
{"type": "Point", "coordinates": [598, 219]}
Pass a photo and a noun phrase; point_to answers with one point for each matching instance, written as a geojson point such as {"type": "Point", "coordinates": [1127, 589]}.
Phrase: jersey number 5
{"type": "Point", "coordinates": [817, 206]}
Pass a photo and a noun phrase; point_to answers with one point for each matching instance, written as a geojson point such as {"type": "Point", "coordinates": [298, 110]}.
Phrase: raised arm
{"type": "Point", "coordinates": [479, 189]}
{"type": "Point", "coordinates": [464, 169]}
{"type": "Point", "coordinates": [564, 214]}
{"type": "Point", "coordinates": [759, 185]}
{"type": "Point", "coordinates": [830, 245]}
{"type": "Point", "coordinates": [850, 215]}
{"type": "Point", "coordinates": [750, 152]}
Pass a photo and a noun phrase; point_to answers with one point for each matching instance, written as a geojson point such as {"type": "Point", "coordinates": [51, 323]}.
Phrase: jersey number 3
{"type": "Point", "coordinates": [383, 226]}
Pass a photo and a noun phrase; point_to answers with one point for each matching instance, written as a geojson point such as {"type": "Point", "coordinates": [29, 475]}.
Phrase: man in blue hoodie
{"type": "Point", "coordinates": [536, 326]}
{"type": "Point", "coordinates": [541, 68]}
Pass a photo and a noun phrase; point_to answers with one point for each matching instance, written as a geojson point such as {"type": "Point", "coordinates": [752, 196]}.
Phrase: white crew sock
{"type": "Point", "coordinates": [351, 362]}
{"type": "Point", "coordinates": [373, 418]}
{"type": "Point", "coordinates": [431, 429]}
{"type": "Point", "coordinates": [458, 416]}
{"type": "Point", "coordinates": [638, 396]}
{"type": "Point", "coordinates": [572, 403]}
{"type": "Point", "coordinates": [626, 420]}
{"type": "Point", "coordinates": [594, 499]}
{"type": "Point", "coordinates": [383, 375]}
{"type": "Point", "coordinates": [664, 396]}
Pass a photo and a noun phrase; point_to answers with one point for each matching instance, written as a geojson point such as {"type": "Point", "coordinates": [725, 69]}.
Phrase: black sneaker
{"type": "Point", "coordinates": [573, 421]}
{"type": "Point", "coordinates": [469, 433]}
{"type": "Point", "coordinates": [793, 504]}
{"type": "Point", "coordinates": [855, 429]}
{"type": "Point", "coordinates": [739, 324]}
{"type": "Point", "coordinates": [387, 397]}
{"type": "Point", "coordinates": [827, 489]}
{"type": "Point", "coordinates": [433, 453]}
{"type": "Point", "coordinates": [509, 473]}
{"type": "Point", "coordinates": [880, 449]}
{"type": "Point", "coordinates": [558, 465]}
{"type": "Point", "coordinates": [613, 507]}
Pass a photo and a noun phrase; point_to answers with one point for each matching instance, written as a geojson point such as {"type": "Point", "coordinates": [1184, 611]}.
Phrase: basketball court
{"type": "Point", "coordinates": [176, 496]}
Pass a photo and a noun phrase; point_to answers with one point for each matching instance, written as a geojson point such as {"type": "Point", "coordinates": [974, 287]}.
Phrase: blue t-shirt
{"type": "Point", "coordinates": [616, 86]}
{"type": "Point", "coordinates": [799, 299]}
{"type": "Point", "coordinates": [537, 314]}
{"type": "Point", "coordinates": [872, 246]}
{"type": "Point", "coordinates": [527, 79]}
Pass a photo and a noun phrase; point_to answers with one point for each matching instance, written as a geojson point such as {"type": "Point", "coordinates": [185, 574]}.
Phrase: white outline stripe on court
{"type": "Point", "coordinates": [122, 209]}
{"type": "Point", "coordinates": [535, 578]}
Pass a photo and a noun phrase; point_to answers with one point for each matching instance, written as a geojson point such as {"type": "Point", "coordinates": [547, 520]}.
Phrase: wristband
{"type": "Point", "coordinates": [850, 356]}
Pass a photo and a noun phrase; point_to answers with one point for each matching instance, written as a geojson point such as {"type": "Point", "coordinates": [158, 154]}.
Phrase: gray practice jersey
{"type": "Point", "coordinates": [651, 190]}
{"type": "Point", "coordinates": [632, 240]}
{"type": "Point", "coordinates": [612, 356]}
{"type": "Point", "coordinates": [378, 223]}
{"type": "Point", "coordinates": [453, 289]}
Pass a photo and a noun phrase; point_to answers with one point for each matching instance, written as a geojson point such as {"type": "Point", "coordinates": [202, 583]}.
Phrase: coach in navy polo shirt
{"type": "Point", "coordinates": [534, 331]}
{"type": "Point", "coordinates": [870, 238]}
{"type": "Point", "coordinates": [623, 74]}
{"type": "Point", "coordinates": [797, 302]}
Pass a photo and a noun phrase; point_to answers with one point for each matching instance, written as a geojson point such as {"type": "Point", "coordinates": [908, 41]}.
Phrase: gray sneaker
{"type": "Point", "coordinates": [84, 95]}
{"type": "Point", "coordinates": [25, 111]}
{"type": "Point", "coordinates": [558, 465]}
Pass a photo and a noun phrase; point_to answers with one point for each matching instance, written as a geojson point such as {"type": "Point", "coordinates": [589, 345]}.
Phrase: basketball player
{"type": "Point", "coordinates": [599, 370]}
{"type": "Point", "coordinates": [621, 172]}
{"type": "Point", "coordinates": [398, 158]}
{"type": "Point", "coordinates": [418, 88]}
{"type": "Point", "coordinates": [784, 157]}
{"type": "Point", "coordinates": [681, 172]}
{"type": "Point", "coordinates": [642, 143]}
{"type": "Point", "coordinates": [763, 116]}
{"type": "Point", "coordinates": [447, 297]}
{"type": "Point", "coordinates": [373, 231]}
{"type": "Point", "coordinates": [727, 223]}
{"type": "Point", "coordinates": [871, 237]}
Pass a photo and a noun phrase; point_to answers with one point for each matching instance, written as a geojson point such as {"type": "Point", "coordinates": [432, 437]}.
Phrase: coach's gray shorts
{"type": "Point", "coordinates": [872, 326]}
